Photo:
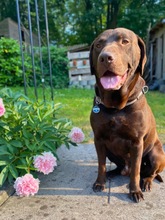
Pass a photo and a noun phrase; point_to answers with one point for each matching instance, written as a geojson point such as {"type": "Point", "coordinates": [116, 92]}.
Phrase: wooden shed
{"type": "Point", "coordinates": [156, 51]}
{"type": "Point", "coordinates": [9, 29]}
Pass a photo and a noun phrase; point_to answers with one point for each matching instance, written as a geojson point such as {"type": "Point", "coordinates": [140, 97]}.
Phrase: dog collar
{"type": "Point", "coordinates": [143, 92]}
{"type": "Point", "coordinates": [98, 100]}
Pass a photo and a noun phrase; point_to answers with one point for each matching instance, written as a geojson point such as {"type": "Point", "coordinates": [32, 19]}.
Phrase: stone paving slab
{"type": "Point", "coordinates": [5, 192]}
{"type": "Point", "coordinates": [66, 194]}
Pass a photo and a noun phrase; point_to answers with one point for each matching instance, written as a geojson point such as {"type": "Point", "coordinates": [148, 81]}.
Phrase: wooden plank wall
{"type": "Point", "coordinates": [79, 63]}
{"type": "Point", "coordinates": [79, 69]}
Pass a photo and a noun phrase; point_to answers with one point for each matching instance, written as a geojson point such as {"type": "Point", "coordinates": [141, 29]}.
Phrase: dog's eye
{"type": "Point", "coordinates": [125, 41]}
{"type": "Point", "coordinates": [98, 45]}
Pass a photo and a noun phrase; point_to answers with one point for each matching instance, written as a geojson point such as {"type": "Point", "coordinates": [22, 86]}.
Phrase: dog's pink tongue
{"type": "Point", "coordinates": [110, 82]}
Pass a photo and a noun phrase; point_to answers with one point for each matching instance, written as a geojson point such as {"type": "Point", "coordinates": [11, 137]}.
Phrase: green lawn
{"type": "Point", "coordinates": [156, 101]}
{"type": "Point", "coordinates": [77, 105]}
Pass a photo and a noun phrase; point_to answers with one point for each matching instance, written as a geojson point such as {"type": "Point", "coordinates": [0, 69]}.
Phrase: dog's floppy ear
{"type": "Point", "coordinates": [91, 59]}
{"type": "Point", "coordinates": [143, 57]}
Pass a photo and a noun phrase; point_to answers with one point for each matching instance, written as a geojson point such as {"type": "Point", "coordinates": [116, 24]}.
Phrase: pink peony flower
{"type": "Point", "coordinates": [2, 108]}
{"type": "Point", "coordinates": [76, 135]}
{"type": "Point", "coordinates": [45, 163]}
{"type": "Point", "coordinates": [26, 185]}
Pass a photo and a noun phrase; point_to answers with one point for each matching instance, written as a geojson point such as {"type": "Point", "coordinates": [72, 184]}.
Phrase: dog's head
{"type": "Point", "coordinates": [116, 56]}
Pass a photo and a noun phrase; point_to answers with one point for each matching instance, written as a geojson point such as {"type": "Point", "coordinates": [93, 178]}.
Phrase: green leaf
{"type": "Point", "coordinates": [30, 118]}
{"type": "Point", "coordinates": [31, 147]}
{"type": "Point", "coordinates": [67, 145]}
{"type": "Point", "coordinates": [27, 142]}
{"type": "Point", "coordinates": [13, 171]}
{"type": "Point", "coordinates": [47, 136]}
{"type": "Point", "coordinates": [22, 159]}
{"type": "Point", "coordinates": [67, 124]}
{"type": "Point", "coordinates": [16, 143]}
{"type": "Point", "coordinates": [32, 168]}
{"type": "Point", "coordinates": [22, 167]}
{"type": "Point", "coordinates": [2, 163]}
{"type": "Point", "coordinates": [10, 178]}
{"type": "Point", "coordinates": [73, 144]}
{"type": "Point", "coordinates": [50, 145]}
{"type": "Point", "coordinates": [24, 154]}
{"type": "Point", "coordinates": [12, 149]}
{"type": "Point", "coordinates": [6, 127]}
{"type": "Point", "coordinates": [3, 141]}
{"type": "Point", "coordinates": [48, 113]}
{"type": "Point", "coordinates": [38, 114]}
{"type": "Point", "coordinates": [4, 151]}
{"type": "Point", "coordinates": [27, 134]}
{"type": "Point", "coordinates": [3, 175]}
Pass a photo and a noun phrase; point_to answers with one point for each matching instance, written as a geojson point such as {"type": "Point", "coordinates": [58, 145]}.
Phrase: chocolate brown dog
{"type": "Point", "coordinates": [123, 124]}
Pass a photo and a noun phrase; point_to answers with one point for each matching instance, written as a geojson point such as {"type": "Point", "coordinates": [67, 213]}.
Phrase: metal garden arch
{"type": "Point", "coordinates": [27, 2]}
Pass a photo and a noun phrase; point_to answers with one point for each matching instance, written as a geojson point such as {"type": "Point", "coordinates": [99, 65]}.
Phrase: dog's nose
{"type": "Point", "coordinates": [106, 57]}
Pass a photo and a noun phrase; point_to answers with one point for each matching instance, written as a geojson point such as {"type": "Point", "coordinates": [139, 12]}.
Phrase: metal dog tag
{"type": "Point", "coordinates": [96, 109]}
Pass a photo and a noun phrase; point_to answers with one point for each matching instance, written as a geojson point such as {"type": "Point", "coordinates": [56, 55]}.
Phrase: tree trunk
{"type": "Point", "coordinates": [108, 15]}
{"type": "Point", "coordinates": [112, 13]}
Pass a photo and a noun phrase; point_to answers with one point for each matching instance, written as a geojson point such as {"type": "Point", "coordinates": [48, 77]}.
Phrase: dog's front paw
{"type": "Point", "coordinates": [147, 184]}
{"type": "Point", "coordinates": [136, 196]}
{"type": "Point", "coordinates": [98, 187]}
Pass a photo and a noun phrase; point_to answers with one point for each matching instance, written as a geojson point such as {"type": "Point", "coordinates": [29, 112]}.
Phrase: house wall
{"type": "Point", "coordinates": [158, 38]}
{"type": "Point", "coordinates": [13, 30]}
{"type": "Point", "coordinates": [159, 58]}
{"type": "Point", "coordinates": [4, 29]}
{"type": "Point", "coordinates": [164, 56]}
{"type": "Point", "coordinates": [9, 29]}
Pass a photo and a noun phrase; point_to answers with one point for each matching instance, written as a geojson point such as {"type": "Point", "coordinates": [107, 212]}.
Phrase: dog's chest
{"type": "Point", "coordinates": [119, 125]}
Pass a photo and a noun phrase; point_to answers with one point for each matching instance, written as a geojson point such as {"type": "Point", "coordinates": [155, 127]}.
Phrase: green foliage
{"type": "Point", "coordinates": [138, 15]}
{"type": "Point", "coordinates": [97, 16]}
{"type": "Point", "coordinates": [74, 22]}
{"type": "Point", "coordinates": [27, 129]}
{"type": "Point", "coordinates": [59, 62]}
{"type": "Point", "coordinates": [10, 63]}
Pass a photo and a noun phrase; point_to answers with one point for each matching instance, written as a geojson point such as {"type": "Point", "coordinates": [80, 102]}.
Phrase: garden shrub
{"type": "Point", "coordinates": [60, 66]}
{"type": "Point", "coordinates": [11, 64]}
{"type": "Point", "coordinates": [27, 129]}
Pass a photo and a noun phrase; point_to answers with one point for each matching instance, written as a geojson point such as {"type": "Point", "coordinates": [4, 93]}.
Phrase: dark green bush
{"type": "Point", "coordinates": [59, 62]}
{"type": "Point", "coordinates": [10, 63]}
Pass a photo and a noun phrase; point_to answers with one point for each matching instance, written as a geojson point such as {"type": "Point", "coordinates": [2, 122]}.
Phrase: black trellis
{"type": "Point", "coordinates": [27, 2]}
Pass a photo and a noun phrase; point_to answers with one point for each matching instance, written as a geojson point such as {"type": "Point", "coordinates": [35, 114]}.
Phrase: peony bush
{"type": "Point", "coordinates": [30, 134]}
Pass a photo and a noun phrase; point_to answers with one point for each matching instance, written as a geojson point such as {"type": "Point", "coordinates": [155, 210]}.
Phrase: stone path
{"type": "Point", "coordinates": [66, 194]}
